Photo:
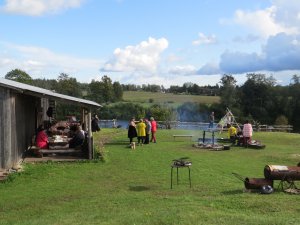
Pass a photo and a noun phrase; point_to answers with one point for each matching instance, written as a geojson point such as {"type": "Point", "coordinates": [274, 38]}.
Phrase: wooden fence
{"type": "Point", "coordinates": [196, 125]}
{"type": "Point", "coordinates": [270, 128]}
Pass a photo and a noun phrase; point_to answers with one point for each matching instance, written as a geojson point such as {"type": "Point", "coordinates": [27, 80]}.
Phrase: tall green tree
{"type": "Point", "coordinates": [19, 76]}
{"type": "Point", "coordinates": [257, 97]}
{"type": "Point", "coordinates": [46, 84]}
{"type": "Point", "coordinates": [123, 111]}
{"type": "Point", "coordinates": [296, 79]}
{"type": "Point", "coordinates": [162, 113]}
{"type": "Point", "coordinates": [95, 91]}
{"type": "Point", "coordinates": [102, 91]}
{"type": "Point", "coordinates": [228, 91]}
{"type": "Point", "coordinates": [68, 85]}
{"type": "Point", "coordinates": [118, 91]}
{"type": "Point", "coordinates": [294, 105]}
{"type": "Point", "coordinates": [106, 89]}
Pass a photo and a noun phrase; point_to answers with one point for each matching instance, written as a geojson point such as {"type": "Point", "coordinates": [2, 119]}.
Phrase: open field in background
{"type": "Point", "coordinates": [133, 187]}
{"type": "Point", "coordinates": [172, 99]}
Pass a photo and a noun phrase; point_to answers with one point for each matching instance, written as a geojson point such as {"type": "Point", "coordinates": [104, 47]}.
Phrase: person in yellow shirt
{"type": "Point", "coordinates": [141, 131]}
{"type": "Point", "coordinates": [232, 134]}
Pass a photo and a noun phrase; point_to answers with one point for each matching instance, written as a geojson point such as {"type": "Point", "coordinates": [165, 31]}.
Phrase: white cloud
{"type": "Point", "coordinates": [173, 58]}
{"type": "Point", "coordinates": [287, 13]}
{"type": "Point", "coordinates": [142, 57]}
{"type": "Point", "coordinates": [240, 62]}
{"type": "Point", "coordinates": [247, 39]}
{"type": "Point", "coordinates": [203, 39]}
{"type": "Point", "coordinates": [282, 16]}
{"type": "Point", "coordinates": [39, 7]}
{"type": "Point", "coordinates": [209, 69]}
{"type": "Point", "coordinates": [282, 52]}
{"type": "Point", "coordinates": [5, 61]}
{"type": "Point", "coordinates": [279, 25]}
{"type": "Point", "coordinates": [183, 70]}
{"type": "Point", "coordinates": [42, 62]}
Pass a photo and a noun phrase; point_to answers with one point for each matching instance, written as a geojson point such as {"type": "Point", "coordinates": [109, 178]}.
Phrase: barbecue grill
{"type": "Point", "coordinates": [254, 183]}
{"type": "Point", "coordinates": [286, 174]}
{"type": "Point", "coordinates": [180, 163]}
{"type": "Point", "coordinates": [209, 130]}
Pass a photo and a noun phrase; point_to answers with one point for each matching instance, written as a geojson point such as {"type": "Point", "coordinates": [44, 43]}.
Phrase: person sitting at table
{"type": "Point", "coordinates": [77, 139]}
{"type": "Point", "coordinates": [240, 138]}
{"type": "Point", "coordinates": [232, 133]}
{"type": "Point", "coordinates": [42, 138]}
{"type": "Point", "coordinates": [247, 133]}
{"type": "Point", "coordinates": [59, 128]}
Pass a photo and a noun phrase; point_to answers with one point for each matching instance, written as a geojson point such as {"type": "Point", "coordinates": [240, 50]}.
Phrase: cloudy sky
{"type": "Point", "coordinates": [167, 42]}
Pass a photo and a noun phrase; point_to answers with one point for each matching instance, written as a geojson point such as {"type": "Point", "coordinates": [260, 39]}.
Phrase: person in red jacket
{"type": "Point", "coordinates": [153, 129]}
{"type": "Point", "coordinates": [42, 138]}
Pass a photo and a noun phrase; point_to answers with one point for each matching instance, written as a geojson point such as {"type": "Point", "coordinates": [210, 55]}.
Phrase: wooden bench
{"type": "Point", "coordinates": [183, 135]}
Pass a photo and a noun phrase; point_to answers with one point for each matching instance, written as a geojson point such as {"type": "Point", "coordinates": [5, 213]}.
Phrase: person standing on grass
{"type": "Point", "coordinates": [132, 130]}
{"type": "Point", "coordinates": [153, 129]}
{"type": "Point", "coordinates": [95, 124]}
{"type": "Point", "coordinates": [211, 120]}
{"type": "Point", "coordinates": [141, 132]}
{"type": "Point", "coordinates": [148, 131]}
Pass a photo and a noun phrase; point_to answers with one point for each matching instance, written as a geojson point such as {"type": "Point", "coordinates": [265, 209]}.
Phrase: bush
{"type": "Point", "coordinates": [151, 100]}
{"type": "Point", "coordinates": [99, 153]}
{"type": "Point", "coordinates": [281, 120]}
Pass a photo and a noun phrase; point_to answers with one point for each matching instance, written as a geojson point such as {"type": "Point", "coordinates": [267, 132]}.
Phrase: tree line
{"type": "Point", "coordinates": [259, 99]}
{"type": "Point", "coordinates": [102, 91]}
{"type": "Point", "coordinates": [186, 88]}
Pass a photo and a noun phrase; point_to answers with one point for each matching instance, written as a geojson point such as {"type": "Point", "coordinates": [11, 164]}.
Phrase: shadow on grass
{"type": "Point", "coordinates": [233, 192]}
{"type": "Point", "coordinates": [138, 188]}
{"type": "Point", "coordinates": [118, 143]}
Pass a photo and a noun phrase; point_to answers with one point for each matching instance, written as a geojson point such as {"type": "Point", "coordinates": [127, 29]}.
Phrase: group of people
{"type": "Point", "coordinates": [142, 130]}
{"type": "Point", "coordinates": [238, 136]}
{"type": "Point", "coordinates": [42, 137]}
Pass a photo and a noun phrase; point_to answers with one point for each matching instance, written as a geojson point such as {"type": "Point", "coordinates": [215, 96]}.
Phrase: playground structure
{"type": "Point", "coordinates": [228, 118]}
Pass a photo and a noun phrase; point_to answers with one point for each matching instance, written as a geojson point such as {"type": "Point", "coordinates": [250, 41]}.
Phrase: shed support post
{"type": "Point", "coordinates": [90, 135]}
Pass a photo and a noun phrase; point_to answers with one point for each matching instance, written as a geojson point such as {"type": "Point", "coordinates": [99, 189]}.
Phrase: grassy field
{"type": "Point", "coordinates": [133, 187]}
{"type": "Point", "coordinates": [172, 99]}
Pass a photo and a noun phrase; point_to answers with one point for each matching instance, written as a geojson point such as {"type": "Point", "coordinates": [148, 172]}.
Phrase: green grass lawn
{"type": "Point", "coordinates": [169, 98]}
{"type": "Point", "coordinates": [133, 187]}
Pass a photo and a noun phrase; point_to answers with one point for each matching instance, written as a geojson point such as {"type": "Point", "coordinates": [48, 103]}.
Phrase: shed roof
{"type": "Point", "coordinates": [44, 93]}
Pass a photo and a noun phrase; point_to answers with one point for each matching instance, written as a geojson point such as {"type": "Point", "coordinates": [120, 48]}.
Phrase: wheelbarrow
{"type": "Point", "coordinates": [254, 183]}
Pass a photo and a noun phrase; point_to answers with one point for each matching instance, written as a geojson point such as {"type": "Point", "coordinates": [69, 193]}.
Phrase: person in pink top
{"type": "Point", "coordinates": [247, 133]}
{"type": "Point", "coordinates": [42, 138]}
{"type": "Point", "coordinates": [153, 129]}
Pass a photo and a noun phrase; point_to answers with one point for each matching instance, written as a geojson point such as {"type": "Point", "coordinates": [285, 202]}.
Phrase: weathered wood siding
{"type": "Point", "coordinates": [5, 128]}
{"type": "Point", "coordinates": [17, 125]}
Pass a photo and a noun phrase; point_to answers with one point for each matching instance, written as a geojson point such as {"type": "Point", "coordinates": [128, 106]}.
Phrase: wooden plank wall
{"type": "Point", "coordinates": [17, 125]}
{"type": "Point", "coordinates": [5, 128]}
{"type": "Point", "coordinates": [25, 125]}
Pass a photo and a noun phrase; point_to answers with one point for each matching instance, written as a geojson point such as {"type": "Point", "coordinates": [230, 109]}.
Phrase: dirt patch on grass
{"type": "Point", "coordinates": [295, 156]}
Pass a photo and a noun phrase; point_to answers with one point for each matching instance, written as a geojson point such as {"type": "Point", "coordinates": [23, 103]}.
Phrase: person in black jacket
{"type": "Point", "coordinates": [95, 124]}
{"type": "Point", "coordinates": [132, 130]}
{"type": "Point", "coordinates": [78, 138]}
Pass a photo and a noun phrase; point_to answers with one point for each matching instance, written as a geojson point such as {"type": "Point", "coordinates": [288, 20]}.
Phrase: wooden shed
{"type": "Point", "coordinates": [22, 108]}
